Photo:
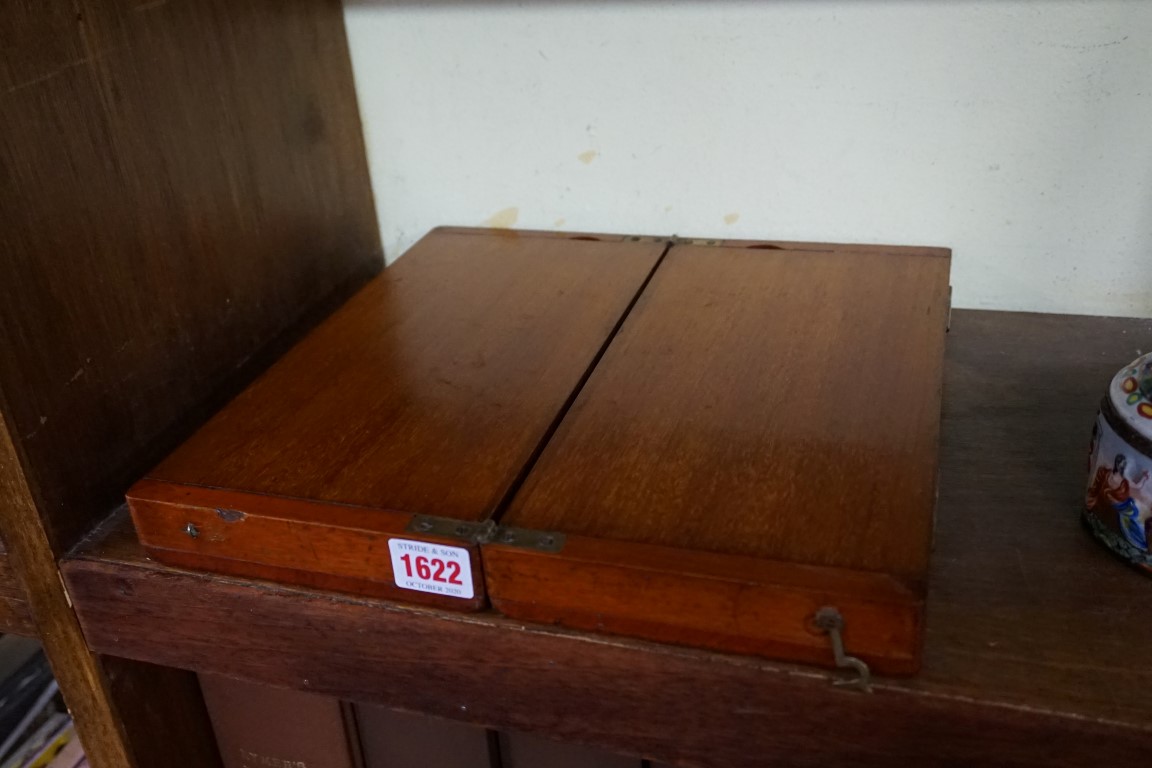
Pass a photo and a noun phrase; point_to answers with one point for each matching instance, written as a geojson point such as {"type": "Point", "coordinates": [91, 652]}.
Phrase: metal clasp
{"type": "Point", "coordinates": [487, 532]}
{"type": "Point", "coordinates": [830, 620]}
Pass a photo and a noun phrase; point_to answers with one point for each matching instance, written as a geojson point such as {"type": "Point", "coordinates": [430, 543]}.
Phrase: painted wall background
{"type": "Point", "coordinates": [1017, 133]}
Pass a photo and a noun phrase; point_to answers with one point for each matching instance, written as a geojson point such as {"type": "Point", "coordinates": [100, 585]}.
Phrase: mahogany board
{"type": "Point", "coordinates": [759, 441]}
{"type": "Point", "coordinates": [428, 393]}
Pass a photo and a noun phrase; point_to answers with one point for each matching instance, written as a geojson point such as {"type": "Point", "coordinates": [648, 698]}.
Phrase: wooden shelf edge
{"type": "Point", "coordinates": [661, 702]}
{"type": "Point", "coordinates": [1029, 623]}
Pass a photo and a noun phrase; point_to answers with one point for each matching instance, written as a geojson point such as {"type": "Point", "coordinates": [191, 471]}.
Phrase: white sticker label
{"type": "Point", "coordinates": [433, 568]}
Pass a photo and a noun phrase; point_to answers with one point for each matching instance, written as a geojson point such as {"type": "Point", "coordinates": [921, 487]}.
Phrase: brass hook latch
{"type": "Point", "coordinates": [830, 620]}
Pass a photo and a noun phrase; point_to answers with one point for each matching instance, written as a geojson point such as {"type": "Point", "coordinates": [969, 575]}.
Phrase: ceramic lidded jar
{"type": "Point", "coordinates": [1118, 504]}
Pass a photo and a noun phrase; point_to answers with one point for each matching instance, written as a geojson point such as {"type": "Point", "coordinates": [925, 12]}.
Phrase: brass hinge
{"type": "Point", "coordinates": [487, 532]}
{"type": "Point", "coordinates": [677, 240]}
{"type": "Point", "coordinates": [541, 541]}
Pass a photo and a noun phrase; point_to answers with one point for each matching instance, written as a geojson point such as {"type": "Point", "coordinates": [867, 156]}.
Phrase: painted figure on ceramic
{"type": "Point", "coordinates": [1111, 490]}
{"type": "Point", "coordinates": [1118, 499]}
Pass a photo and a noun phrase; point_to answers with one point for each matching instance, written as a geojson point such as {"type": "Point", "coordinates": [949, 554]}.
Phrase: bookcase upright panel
{"type": "Point", "coordinates": [184, 187]}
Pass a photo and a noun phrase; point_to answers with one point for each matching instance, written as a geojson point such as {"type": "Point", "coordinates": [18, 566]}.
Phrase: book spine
{"type": "Point", "coordinates": [521, 750]}
{"type": "Point", "coordinates": [257, 726]}
{"type": "Point", "coordinates": [393, 739]}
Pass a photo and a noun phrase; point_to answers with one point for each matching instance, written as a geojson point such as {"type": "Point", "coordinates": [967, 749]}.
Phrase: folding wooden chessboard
{"type": "Point", "coordinates": [696, 442]}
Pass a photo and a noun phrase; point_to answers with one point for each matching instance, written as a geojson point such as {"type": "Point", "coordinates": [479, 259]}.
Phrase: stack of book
{"type": "Point", "coordinates": [35, 728]}
{"type": "Point", "coordinates": [260, 726]}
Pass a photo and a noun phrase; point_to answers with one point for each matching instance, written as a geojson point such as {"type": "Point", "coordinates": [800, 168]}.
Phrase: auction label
{"type": "Point", "coordinates": [434, 568]}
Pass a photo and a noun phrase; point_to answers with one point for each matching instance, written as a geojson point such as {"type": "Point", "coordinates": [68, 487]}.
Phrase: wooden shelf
{"type": "Point", "coordinates": [1034, 641]}
{"type": "Point", "coordinates": [15, 618]}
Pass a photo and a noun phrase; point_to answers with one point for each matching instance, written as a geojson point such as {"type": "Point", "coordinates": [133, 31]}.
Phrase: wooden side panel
{"type": "Point", "coordinates": [78, 672]}
{"type": "Point", "coordinates": [124, 710]}
{"type": "Point", "coordinates": [775, 404]}
{"type": "Point", "coordinates": [180, 182]}
{"type": "Point", "coordinates": [704, 600]}
{"type": "Point", "coordinates": [315, 544]}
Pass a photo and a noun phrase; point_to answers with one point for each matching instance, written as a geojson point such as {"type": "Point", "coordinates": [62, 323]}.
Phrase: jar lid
{"type": "Point", "coordinates": [1131, 394]}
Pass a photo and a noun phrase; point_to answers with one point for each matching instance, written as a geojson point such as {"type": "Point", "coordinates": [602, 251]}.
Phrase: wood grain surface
{"type": "Point", "coordinates": [429, 390]}
{"type": "Point", "coordinates": [1031, 625]}
{"type": "Point", "coordinates": [428, 393]}
{"type": "Point", "coordinates": [767, 405]}
{"type": "Point", "coordinates": [1021, 595]}
{"type": "Point", "coordinates": [180, 183]}
{"type": "Point", "coordinates": [774, 404]}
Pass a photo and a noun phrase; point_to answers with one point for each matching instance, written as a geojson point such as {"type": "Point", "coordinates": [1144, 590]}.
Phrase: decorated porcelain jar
{"type": "Point", "coordinates": [1118, 503]}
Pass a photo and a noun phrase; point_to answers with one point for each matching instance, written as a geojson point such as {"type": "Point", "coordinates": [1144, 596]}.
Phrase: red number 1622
{"type": "Point", "coordinates": [433, 569]}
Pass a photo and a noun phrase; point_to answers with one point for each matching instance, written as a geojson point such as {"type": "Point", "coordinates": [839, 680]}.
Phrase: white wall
{"type": "Point", "coordinates": [1017, 133]}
